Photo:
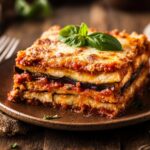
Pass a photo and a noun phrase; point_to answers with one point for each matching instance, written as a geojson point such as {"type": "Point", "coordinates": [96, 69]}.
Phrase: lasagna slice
{"type": "Point", "coordinates": [83, 78]}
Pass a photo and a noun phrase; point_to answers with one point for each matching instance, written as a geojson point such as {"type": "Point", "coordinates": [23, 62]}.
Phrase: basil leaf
{"type": "Point", "coordinates": [103, 42]}
{"type": "Point", "coordinates": [78, 36]}
{"type": "Point", "coordinates": [14, 146]}
{"type": "Point", "coordinates": [70, 35]}
{"type": "Point", "coordinates": [83, 30]}
{"type": "Point", "coordinates": [69, 30]}
{"type": "Point", "coordinates": [47, 117]}
{"type": "Point", "coordinates": [74, 40]}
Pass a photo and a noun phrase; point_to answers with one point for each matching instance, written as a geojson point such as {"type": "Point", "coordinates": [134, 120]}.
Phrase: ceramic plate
{"type": "Point", "coordinates": [138, 112]}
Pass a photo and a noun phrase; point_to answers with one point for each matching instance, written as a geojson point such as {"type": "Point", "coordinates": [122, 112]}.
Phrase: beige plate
{"type": "Point", "coordinates": [68, 120]}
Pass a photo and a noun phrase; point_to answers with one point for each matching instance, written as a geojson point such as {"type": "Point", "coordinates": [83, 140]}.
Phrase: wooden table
{"type": "Point", "coordinates": [136, 137]}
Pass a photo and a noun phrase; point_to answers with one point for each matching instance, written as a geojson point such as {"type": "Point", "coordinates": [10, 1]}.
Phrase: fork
{"type": "Point", "coordinates": [8, 46]}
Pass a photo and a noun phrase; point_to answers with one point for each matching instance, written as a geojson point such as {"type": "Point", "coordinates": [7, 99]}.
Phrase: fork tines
{"type": "Point", "coordinates": [7, 47]}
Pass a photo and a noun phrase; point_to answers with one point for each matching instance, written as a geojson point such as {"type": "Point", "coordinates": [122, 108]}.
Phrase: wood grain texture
{"type": "Point", "coordinates": [104, 18]}
{"type": "Point", "coordinates": [136, 137]}
{"type": "Point", "coordinates": [25, 142]}
{"type": "Point", "coordinates": [80, 141]}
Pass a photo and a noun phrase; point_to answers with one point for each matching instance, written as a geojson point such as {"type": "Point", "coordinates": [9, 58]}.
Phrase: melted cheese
{"type": "Point", "coordinates": [56, 54]}
{"type": "Point", "coordinates": [100, 78]}
{"type": "Point", "coordinates": [78, 76]}
{"type": "Point", "coordinates": [79, 101]}
{"type": "Point", "coordinates": [84, 64]}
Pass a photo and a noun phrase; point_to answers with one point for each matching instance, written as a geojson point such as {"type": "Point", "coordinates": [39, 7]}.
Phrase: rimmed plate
{"type": "Point", "coordinates": [68, 120]}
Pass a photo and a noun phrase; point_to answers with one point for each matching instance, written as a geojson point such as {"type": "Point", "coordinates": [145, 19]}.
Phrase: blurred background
{"type": "Point", "coordinates": [34, 16]}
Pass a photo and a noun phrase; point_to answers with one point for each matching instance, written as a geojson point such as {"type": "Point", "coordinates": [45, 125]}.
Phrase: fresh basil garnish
{"type": "Point", "coordinates": [14, 146]}
{"type": "Point", "coordinates": [83, 30]}
{"type": "Point", "coordinates": [78, 36]}
{"type": "Point", "coordinates": [74, 35]}
{"type": "Point", "coordinates": [69, 30]}
{"type": "Point", "coordinates": [48, 117]}
{"type": "Point", "coordinates": [103, 41]}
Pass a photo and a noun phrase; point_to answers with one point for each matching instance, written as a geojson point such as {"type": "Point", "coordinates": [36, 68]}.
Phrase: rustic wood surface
{"type": "Point", "coordinates": [103, 17]}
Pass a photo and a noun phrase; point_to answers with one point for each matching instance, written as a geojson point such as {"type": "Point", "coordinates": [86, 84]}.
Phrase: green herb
{"type": "Point", "coordinates": [69, 30]}
{"type": "Point", "coordinates": [103, 41]}
{"type": "Point", "coordinates": [47, 117]}
{"type": "Point", "coordinates": [78, 37]}
{"type": "Point", "coordinates": [74, 35]}
{"type": "Point", "coordinates": [14, 146]}
{"type": "Point", "coordinates": [83, 30]}
{"type": "Point", "coordinates": [39, 8]}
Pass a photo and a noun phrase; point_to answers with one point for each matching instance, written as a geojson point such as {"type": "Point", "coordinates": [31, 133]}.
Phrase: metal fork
{"type": "Point", "coordinates": [8, 46]}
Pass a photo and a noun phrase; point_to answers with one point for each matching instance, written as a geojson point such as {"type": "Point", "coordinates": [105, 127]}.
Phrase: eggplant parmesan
{"type": "Point", "coordinates": [81, 78]}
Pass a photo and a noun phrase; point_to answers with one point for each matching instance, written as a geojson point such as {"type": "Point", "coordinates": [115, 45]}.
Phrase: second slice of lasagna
{"type": "Point", "coordinates": [83, 78]}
